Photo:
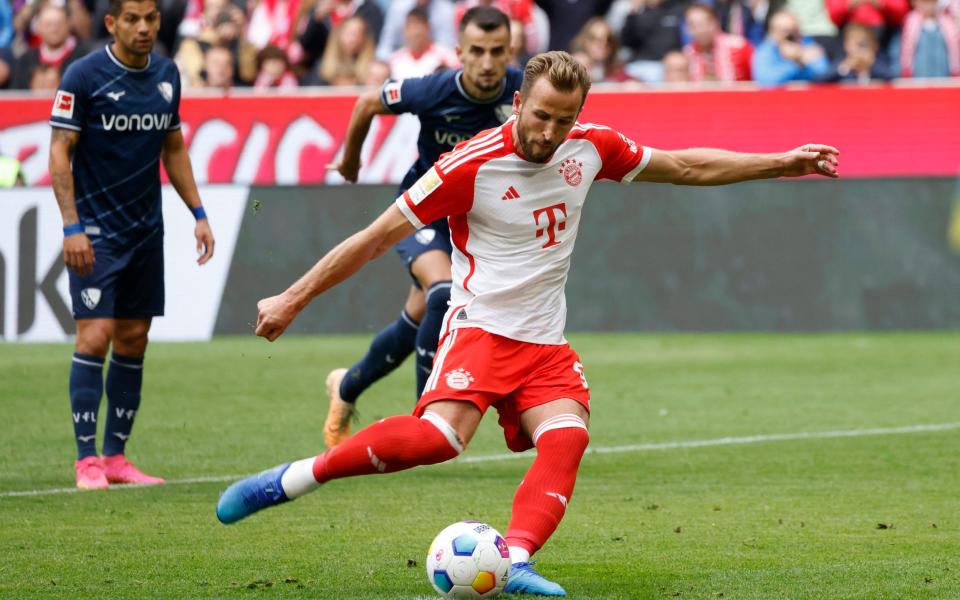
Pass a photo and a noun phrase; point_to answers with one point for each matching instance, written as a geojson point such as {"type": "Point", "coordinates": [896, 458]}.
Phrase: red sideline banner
{"type": "Point", "coordinates": [882, 131]}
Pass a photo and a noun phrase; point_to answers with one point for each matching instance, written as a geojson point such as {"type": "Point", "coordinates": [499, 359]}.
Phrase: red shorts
{"type": "Point", "coordinates": [490, 370]}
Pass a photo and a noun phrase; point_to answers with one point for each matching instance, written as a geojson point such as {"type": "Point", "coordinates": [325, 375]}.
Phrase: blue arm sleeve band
{"type": "Point", "coordinates": [72, 229]}
{"type": "Point", "coordinates": [199, 213]}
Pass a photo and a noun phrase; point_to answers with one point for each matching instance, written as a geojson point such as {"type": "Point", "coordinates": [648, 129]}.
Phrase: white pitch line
{"type": "Point", "coordinates": [724, 441]}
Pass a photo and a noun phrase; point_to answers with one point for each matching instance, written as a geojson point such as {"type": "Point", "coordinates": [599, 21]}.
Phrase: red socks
{"type": "Point", "coordinates": [546, 489]}
{"type": "Point", "coordinates": [390, 445]}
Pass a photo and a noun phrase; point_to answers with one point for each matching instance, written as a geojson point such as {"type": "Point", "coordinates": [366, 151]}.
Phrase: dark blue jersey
{"type": "Point", "coordinates": [448, 114]}
{"type": "Point", "coordinates": [123, 115]}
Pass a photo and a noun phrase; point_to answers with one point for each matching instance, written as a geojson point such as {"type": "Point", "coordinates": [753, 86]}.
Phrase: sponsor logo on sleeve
{"type": "Point", "coordinates": [424, 186]}
{"type": "Point", "coordinates": [63, 105]}
{"type": "Point", "coordinates": [391, 92]}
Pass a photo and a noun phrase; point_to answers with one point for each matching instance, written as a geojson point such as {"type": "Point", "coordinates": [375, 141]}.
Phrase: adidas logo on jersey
{"type": "Point", "coordinates": [511, 194]}
{"type": "Point", "coordinates": [145, 122]}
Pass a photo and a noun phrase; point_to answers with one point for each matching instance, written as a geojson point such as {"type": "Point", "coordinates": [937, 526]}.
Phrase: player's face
{"type": "Point", "coordinates": [544, 118]}
{"type": "Point", "coordinates": [135, 28]}
{"type": "Point", "coordinates": [484, 55]}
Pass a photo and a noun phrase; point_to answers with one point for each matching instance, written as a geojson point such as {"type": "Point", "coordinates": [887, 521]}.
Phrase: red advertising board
{"type": "Point", "coordinates": [884, 131]}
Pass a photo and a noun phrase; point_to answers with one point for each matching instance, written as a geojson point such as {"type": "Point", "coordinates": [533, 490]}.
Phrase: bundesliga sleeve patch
{"type": "Point", "coordinates": [63, 105]}
{"type": "Point", "coordinates": [391, 92]}
{"type": "Point", "coordinates": [424, 186]}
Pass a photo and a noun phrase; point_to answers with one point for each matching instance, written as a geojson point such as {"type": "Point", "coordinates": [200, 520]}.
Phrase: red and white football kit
{"type": "Point", "coordinates": [513, 224]}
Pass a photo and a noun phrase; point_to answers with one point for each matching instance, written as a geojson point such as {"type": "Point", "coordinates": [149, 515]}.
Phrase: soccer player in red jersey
{"type": "Point", "coordinates": [513, 196]}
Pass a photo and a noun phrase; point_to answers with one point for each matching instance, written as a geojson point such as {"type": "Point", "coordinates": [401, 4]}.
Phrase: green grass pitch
{"type": "Point", "coordinates": [869, 515]}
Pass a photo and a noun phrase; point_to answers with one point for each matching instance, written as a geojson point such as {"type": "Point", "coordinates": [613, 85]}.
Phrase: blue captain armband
{"type": "Point", "coordinates": [199, 213]}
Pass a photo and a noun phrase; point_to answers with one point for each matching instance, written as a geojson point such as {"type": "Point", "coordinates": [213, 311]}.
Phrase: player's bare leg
{"type": "Point", "coordinates": [559, 432]}
{"type": "Point", "coordinates": [123, 385]}
{"type": "Point", "coordinates": [86, 390]}
{"type": "Point", "coordinates": [386, 353]}
{"type": "Point", "coordinates": [387, 446]}
{"type": "Point", "coordinates": [432, 270]}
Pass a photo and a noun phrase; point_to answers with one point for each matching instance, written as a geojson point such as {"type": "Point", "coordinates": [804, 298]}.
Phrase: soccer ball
{"type": "Point", "coordinates": [468, 559]}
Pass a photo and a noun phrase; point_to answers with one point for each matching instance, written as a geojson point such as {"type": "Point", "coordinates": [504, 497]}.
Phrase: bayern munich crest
{"type": "Point", "coordinates": [459, 379]}
{"type": "Point", "coordinates": [570, 169]}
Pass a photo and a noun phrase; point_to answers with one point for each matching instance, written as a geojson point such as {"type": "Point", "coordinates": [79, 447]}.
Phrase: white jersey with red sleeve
{"type": "Point", "coordinates": [513, 224]}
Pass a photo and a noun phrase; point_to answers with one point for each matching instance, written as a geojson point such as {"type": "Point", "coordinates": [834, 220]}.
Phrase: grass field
{"type": "Point", "coordinates": [664, 507]}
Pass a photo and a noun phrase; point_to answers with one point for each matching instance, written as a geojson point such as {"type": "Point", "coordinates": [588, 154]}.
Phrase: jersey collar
{"type": "Point", "coordinates": [117, 62]}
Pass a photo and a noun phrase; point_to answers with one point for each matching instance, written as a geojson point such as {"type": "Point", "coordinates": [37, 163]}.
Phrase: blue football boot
{"type": "Point", "coordinates": [249, 495]}
{"type": "Point", "coordinates": [524, 579]}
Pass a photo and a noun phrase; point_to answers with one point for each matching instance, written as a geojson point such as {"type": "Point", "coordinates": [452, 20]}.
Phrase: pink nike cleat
{"type": "Point", "coordinates": [120, 470]}
{"type": "Point", "coordinates": [90, 475]}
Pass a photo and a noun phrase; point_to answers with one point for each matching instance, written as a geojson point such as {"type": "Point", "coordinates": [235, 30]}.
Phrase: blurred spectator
{"type": "Point", "coordinates": [441, 24]}
{"type": "Point", "coordinates": [420, 55]}
{"type": "Point", "coordinates": [6, 67]}
{"type": "Point", "coordinates": [58, 47]}
{"type": "Point", "coordinates": [676, 67]}
{"type": "Point", "coordinates": [6, 23]}
{"type": "Point", "coordinates": [221, 24]}
{"type": "Point", "coordinates": [600, 44]}
{"type": "Point", "coordinates": [862, 62]}
{"type": "Point", "coordinates": [884, 16]}
{"type": "Point", "coordinates": [746, 18]}
{"type": "Point", "coordinates": [273, 71]}
{"type": "Point", "coordinates": [326, 14]}
{"type": "Point", "coordinates": [566, 18]}
{"type": "Point", "coordinates": [273, 23]}
{"type": "Point", "coordinates": [713, 54]}
{"type": "Point", "coordinates": [45, 78]}
{"type": "Point", "coordinates": [348, 54]}
{"type": "Point", "coordinates": [815, 23]}
{"type": "Point", "coordinates": [650, 30]}
{"type": "Point", "coordinates": [10, 172]}
{"type": "Point", "coordinates": [218, 71]}
{"type": "Point", "coordinates": [929, 45]}
{"type": "Point", "coordinates": [378, 73]}
{"type": "Point", "coordinates": [785, 55]}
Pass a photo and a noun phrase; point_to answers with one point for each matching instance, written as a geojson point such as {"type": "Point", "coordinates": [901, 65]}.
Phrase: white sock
{"type": "Point", "coordinates": [517, 554]}
{"type": "Point", "coordinates": [298, 479]}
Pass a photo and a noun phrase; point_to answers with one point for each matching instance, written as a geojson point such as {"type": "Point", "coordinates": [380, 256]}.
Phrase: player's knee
{"type": "Point", "coordinates": [131, 341]}
{"type": "Point", "coordinates": [438, 296]}
{"type": "Point", "coordinates": [431, 267]}
{"type": "Point", "coordinates": [567, 428]}
{"type": "Point", "coordinates": [453, 439]}
{"type": "Point", "coordinates": [94, 339]}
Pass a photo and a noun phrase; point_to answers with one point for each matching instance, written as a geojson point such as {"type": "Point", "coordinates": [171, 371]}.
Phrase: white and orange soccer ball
{"type": "Point", "coordinates": [468, 559]}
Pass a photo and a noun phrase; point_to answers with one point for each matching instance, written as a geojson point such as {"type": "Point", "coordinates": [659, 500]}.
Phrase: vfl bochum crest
{"type": "Point", "coordinates": [90, 297]}
{"type": "Point", "coordinates": [503, 112]}
{"type": "Point", "coordinates": [166, 90]}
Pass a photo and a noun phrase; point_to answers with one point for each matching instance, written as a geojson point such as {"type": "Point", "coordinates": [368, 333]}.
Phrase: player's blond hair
{"type": "Point", "coordinates": [563, 72]}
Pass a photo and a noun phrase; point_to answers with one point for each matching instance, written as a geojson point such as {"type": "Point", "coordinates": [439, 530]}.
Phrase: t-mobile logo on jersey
{"type": "Point", "coordinates": [556, 221]}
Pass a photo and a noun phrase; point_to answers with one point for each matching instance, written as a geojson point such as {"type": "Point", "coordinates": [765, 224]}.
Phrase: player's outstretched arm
{"type": "Point", "coordinates": [176, 160]}
{"type": "Point", "coordinates": [710, 166]}
{"type": "Point", "coordinates": [77, 250]}
{"type": "Point", "coordinates": [275, 314]}
{"type": "Point", "coordinates": [368, 106]}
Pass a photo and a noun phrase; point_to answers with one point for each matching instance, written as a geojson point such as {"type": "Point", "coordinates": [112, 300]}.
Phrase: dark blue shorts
{"type": "Point", "coordinates": [126, 283]}
{"type": "Point", "coordinates": [435, 236]}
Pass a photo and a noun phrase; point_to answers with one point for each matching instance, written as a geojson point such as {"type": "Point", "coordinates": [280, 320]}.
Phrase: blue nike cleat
{"type": "Point", "coordinates": [249, 495]}
{"type": "Point", "coordinates": [524, 579]}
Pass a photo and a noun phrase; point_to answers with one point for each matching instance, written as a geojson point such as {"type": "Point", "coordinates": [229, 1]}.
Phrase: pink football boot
{"type": "Point", "coordinates": [120, 470]}
{"type": "Point", "coordinates": [90, 475]}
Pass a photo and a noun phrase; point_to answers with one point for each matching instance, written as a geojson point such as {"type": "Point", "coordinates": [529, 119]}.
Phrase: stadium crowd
{"type": "Point", "coordinates": [283, 44]}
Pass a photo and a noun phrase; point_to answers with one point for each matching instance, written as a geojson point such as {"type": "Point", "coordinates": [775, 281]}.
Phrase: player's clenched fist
{"type": "Point", "coordinates": [274, 315]}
